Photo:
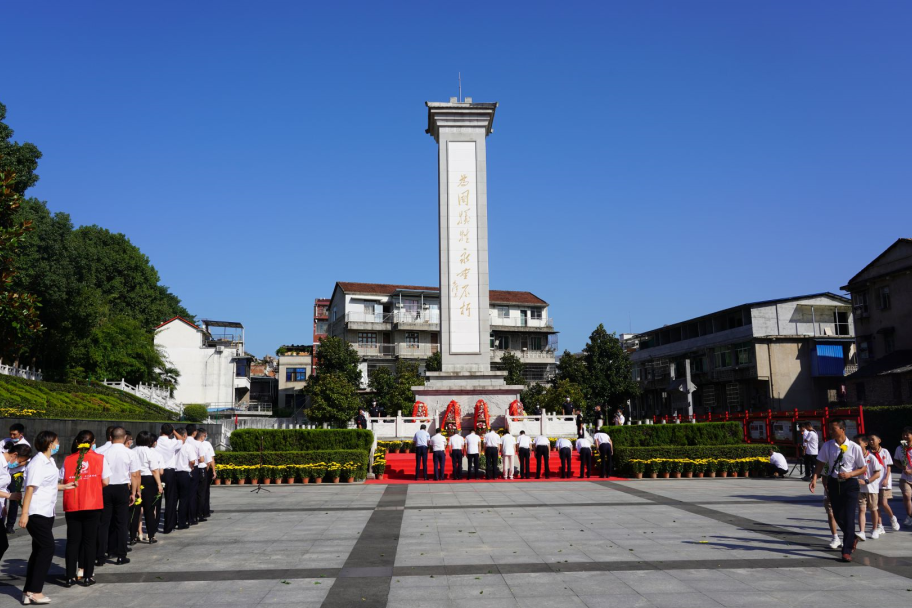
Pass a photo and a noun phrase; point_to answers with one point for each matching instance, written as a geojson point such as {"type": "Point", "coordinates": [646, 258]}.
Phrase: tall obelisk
{"type": "Point", "coordinates": [460, 130]}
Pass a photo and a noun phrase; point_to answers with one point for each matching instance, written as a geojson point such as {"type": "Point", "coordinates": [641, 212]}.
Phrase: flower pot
{"type": "Point", "coordinates": [676, 475]}
{"type": "Point", "coordinates": [218, 481]}
{"type": "Point", "coordinates": [722, 474]}
{"type": "Point", "coordinates": [242, 482]}
{"type": "Point", "coordinates": [688, 474]}
{"type": "Point", "coordinates": [378, 476]}
{"type": "Point", "coordinates": [277, 481]}
{"type": "Point", "coordinates": [335, 480]}
{"type": "Point", "coordinates": [653, 475]}
{"type": "Point", "coordinates": [638, 476]}
{"type": "Point", "coordinates": [710, 474]}
{"type": "Point", "coordinates": [734, 474]}
{"type": "Point", "coordinates": [318, 480]}
{"type": "Point", "coordinates": [227, 482]}
{"type": "Point", "coordinates": [700, 474]}
{"type": "Point", "coordinates": [350, 480]}
{"type": "Point", "coordinates": [289, 480]}
{"type": "Point", "coordinates": [664, 475]}
{"type": "Point", "coordinates": [267, 481]}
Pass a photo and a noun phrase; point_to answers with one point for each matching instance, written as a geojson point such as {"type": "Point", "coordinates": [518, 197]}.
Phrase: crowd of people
{"type": "Point", "coordinates": [115, 495]}
{"type": "Point", "coordinates": [515, 454]}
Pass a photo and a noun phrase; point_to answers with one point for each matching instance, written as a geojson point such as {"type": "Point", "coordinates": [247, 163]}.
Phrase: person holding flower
{"type": "Point", "coordinates": [83, 505]}
{"type": "Point", "coordinates": [842, 462]}
{"type": "Point", "coordinates": [150, 484]}
{"type": "Point", "coordinates": [902, 460]}
{"type": "Point", "coordinates": [14, 457]}
{"type": "Point", "coordinates": [39, 502]}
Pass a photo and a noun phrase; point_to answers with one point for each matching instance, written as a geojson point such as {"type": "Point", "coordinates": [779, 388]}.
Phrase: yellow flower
{"type": "Point", "coordinates": [844, 447]}
{"type": "Point", "coordinates": [83, 446]}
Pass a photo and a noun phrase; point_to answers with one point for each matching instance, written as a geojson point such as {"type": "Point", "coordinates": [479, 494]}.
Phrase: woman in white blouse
{"type": "Point", "coordinates": [39, 503]}
{"type": "Point", "coordinates": [12, 457]}
{"type": "Point", "coordinates": [150, 465]}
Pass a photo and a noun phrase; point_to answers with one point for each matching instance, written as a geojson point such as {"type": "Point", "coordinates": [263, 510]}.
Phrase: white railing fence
{"type": "Point", "coordinates": [19, 372]}
{"type": "Point", "coordinates": [158, 395]}
{"type": "Point", "coordinates": [229, 424]}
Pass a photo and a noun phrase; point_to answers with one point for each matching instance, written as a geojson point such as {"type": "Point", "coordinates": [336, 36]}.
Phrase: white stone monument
{"type": "Point", "coordinates": [460, 129]}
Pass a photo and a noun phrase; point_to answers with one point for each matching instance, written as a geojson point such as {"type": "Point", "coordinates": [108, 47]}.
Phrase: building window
{"type": "Point", "coordinates": [696, 365]}
{"type": "Point", "coordinates": [411, 339]}
{"type": "Point", "coordinates": [742, 351]}
{"type": "Point", "coordinates": [864, 349]}
{"type": "Point", "coordinates": [860, 392]}
{"type": "Point", "coordinates": [334, 314]}
{"type": "Point", "coordinates": [884, 298]}
{"type": "Point", "coordinates": [367, 338]}
{"type": "Point", "coordinates": [492, 339]}
{"type": "Point", "coordinates": [889, 342]}
{"type": "Point", "coordinates": [841, 320]}
{"type": "Point", "coordinates": [723, 357]}
{"type": "Point", "coordinates": [296, 374]}
{"type": "Point", "coordinates": [241, 368]}
{"type": "Point", "coordinates": [502, 342]}
{"type": "Point", "coordinates": [289, 401]}
{"type": "Point", "coordinates": [503, 312]}
{"type": "Point", "coordinates": [860, 303]}
{"type": "Point", "coordinates": [535, 343]}
{"type": "Point", "coordinates": [536, 314]}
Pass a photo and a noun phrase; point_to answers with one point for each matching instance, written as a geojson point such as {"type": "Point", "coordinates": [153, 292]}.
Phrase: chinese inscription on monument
{"type": "Point", "coordinates": [462, 246]}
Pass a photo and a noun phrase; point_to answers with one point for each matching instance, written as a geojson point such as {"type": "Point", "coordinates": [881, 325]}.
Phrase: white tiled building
{"type": "Point", "coordinates": [388, 322]}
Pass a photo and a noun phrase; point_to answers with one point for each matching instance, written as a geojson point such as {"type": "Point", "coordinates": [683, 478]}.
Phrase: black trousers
{"type": "Point", "coordinates": [771, 468]}
{"type": "Point", "coordinates": [146, 509]}
{"type": "Point", "coordinates": [525, 459]}
{"type": "Point", "coordinates": [566, 460]}
{"type": "Point", "coordinates": [170, 500]}
{"type": "Point", "coordinates": [4, 542]}
{"type": "Point", "coordinates": [184, 484]}
{"type": "Point", "coordinates": [193, 499]}
{"type": "Point", "coordinates": [456, 457]}
{"type": "Point", "coordinates": [542, 451]}
{"type": "Point", "coordinates": [439, 464]}
{"type": "Point", "coordinates": [104, 524]}
{"type": "Point", "coordinates": [119, 534]}
{"type": "Point", "coordinates": [421, 461]}
{"type": "Point", "coordinates": [82, 541]}
{"type": "Point", "coordinates": [208, 476]}
{"type": "Point", "coordinates": [605, 453]}
{"type": "Point", "coordinates": [490, 463]}
{"type": "Point", "coordinates": [201, 487]}
{"type": "Point", "coordinates": [810, 462]}
{"type": "Point", "coordinates": [473, 466]}
{"type": "Point", "coordinates": [844, 500]}
{"type": "Point", "coordinates": [40, 528]}
{"type": "Point", "coordinates": [585, 456]}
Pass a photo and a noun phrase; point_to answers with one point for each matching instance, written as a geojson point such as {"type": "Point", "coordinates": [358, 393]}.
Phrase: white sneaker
{"type": "Point", "coordinates": [908, 521]}
{"type": "Point", "coordinates": [876, 533]}
{"type": "Point", "coordinates": [835, 543]}
{"type": "Point", "coordinates": [861, 536]}
{"type": "Point", "coordinates": [894, 523]}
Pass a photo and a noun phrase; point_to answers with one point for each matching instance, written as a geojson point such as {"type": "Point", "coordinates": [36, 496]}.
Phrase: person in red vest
{"type": "Point", "coordinates": [82, 506]}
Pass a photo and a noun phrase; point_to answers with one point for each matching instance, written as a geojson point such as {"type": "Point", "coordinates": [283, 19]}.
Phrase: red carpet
{"type": "Point", "coordinates": [400, 468]}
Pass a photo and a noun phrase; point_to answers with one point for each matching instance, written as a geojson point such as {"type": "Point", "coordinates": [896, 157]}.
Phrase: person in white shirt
{"type": "Point", "coordinates": [524, 445]}
{"type": "Point", "coordinates": [438, 445]}
{"type": "Point", "coordinates": [842, 462]}
{"type": "Point", "coordinates": [184, 463]}
{"type": "Point", "coordinates": [542, 451]}
{"type": "Point", "coordinates": [565, 452]}
{"type": "Point", "coordinates": [584, 448]}
{"type": "Point", "coordinates": [168, 447]}
{"type": "Point", "coordinates": [902, 460]}
{"type": "Point", "coordinates": [123, 492]}
{"type": "Point", "coordinates": [606, 451]}
{"type": "Point", "coordinates": [473, 448]}
{"type": "Point", "coordinates": [16, 437]}
{"type": "Point", "coordinates": [492, 447]}
{"type": "Point", "coordinates": [14, 456]}
{"type": "Point", "coordinates": [196, 473]}
{"type": "Point", "coordinates": [777, 464]}
{"type": "Point", "coordinates": [421, 440]}
{"type": "Point", "coordinates": [151, 486]}
{"type": "Point", "coordinates": [809, 445]}
{"type": "Point", "coordinates": [619, 418]}
{"type": "Point", "coordinates": [508, 452]}
{"type": "Point", "coordinates": [886, 485]}
{"type": "Point", "coordinates": [457, 446]}
{"type": "Point", "coordinates": [101, 449]}
{"type": "Point", "coordinates": [39, 503]}
{"type": "Point", "coordinates": [869, 491]}
{"type": "Point", "coordinates": [202, 471]}
{"type": "Point", "coordinates": [208, 476]}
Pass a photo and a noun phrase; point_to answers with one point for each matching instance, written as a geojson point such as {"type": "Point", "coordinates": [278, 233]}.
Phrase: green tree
{"type": "Point", "coordinates": [194, 412]}
{"type": "Point", "coordinates": [122, 348]}
{"type": "Point", "coordinates": [333, 399]}
{"type": "Point", "coordinates": [573, 368]}
{"type": "Point", "coordinates": [514, 367]}
{"type": "Point", "coordinates": [19, 319]}
{"type": "Point", "coordinates": [533, 398]}
{"type": "Point", "coordinates": [339, 357]}
{"type": "Point", "coordinates": [394, 390]}
{"type": "Point", "coordinates": [382, 382]}
{"type": "Point", "coordinates": [434, 362]}
{"type": "Point", "coordinates": [610, 379]}
{"type": "Point", "coordinates": [556, 395]}
{"type": "Point", "coordinates": [17, 160]}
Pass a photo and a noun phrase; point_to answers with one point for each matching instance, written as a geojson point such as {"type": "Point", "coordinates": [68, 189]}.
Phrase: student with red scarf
{"type": "Point", "coordinates": [83, 505]}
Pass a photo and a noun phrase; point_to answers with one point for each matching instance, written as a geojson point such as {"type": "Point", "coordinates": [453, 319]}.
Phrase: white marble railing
{"type": "Point", "coordinates": [19, 372]}
{"type": "Point", "coordinates": [158, 395]}
{"type": "Point", "coordinates": [550, 425]}
{"type": "Point", "coordinates": [399, 426]}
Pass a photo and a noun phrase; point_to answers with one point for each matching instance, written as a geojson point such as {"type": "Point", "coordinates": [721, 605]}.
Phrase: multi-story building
{"type": "Point", "coordinates": [792, 353]}
{"type": "Point", "coordinates": [388, 322]}
{"type": "Point", "coordinates": [214, 368]}
{"type": "Point", "coordinates": [294, 367]}
{"type": "Point", "coordinates": [264, 386]}
{"type": "Point", "coordinates": [882, 305]}
{"type": "Point", "coordinates": [321, 324]}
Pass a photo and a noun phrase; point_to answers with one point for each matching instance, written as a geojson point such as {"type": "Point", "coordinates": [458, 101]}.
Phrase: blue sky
{"type": "Point", "coordinates": [651, 161]}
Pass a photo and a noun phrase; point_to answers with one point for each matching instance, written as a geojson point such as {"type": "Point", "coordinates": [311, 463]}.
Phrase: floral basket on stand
{"type": "Point", "coordinates": [452, 419]}
{"type": "Point", "coordinates": [481, 420]}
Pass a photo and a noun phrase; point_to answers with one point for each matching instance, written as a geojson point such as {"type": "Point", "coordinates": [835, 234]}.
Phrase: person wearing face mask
{"type": "Point", "coordinates": [39, 502]}
{"type": "Point", "coordinates": [83, 506]}
{"type": "Point", "coordinates": [16, 437]}
{"type": "Point", "coordinates": [13, 457]}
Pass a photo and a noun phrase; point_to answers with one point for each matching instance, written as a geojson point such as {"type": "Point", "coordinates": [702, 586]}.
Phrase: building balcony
{"type": "Point", "coordinates": [521, 323]}
{"type": "Point", "coordinates": [527, 356]}
{"type": "Point", "coordinates": [370, 321]}
{"type": "Point", "coordinates": [376, 351]}
{"type": "Point", "coordinates": [427, 320]}
{"type": "Point", "coordinates": [416, 351]}
{"type": "Point", "coordinates": [242, 382]}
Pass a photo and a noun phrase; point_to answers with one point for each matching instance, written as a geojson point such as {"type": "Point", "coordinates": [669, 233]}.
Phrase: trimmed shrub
{"type": "Point", "coordinates": [622, 455]}
{"type": "Point", "coordinates": [683, 434]}
{"type": "Point", "coordinates": [280, 463]}
{"type": "Point", "coordinates": [195, 412]}
{"type": "Point", "coordinates": [301, 440]}
{"type": "Point", "coordinates": [887, 422]}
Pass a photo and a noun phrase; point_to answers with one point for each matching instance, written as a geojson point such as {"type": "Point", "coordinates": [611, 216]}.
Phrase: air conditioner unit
{"type": "Point", "coordinates": [219, 349]}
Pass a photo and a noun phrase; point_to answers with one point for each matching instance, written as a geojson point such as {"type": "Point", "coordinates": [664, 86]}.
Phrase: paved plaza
{"type": "Point", "coordinates": [675, 543]}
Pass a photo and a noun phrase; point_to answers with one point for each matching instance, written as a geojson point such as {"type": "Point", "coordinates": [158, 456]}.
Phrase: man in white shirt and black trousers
{"type": "Point", "coordinates": [168, 447]}
{"type": "Point", "coordinates": [492, 447]}
{"type": "Point", "coordinates": [196, 473]}
{"type": "Point", "coordinates": [584, 447]}
{"type": "Point", "coordinates": [809, 445]}
{"type": "Point", "coordinates": [184, 463]}
{"type": "Point", "coordinates": [457, 445]}
{"type": "Point", "coordinates": [202, 469]}
{"type": "Point", "coordinates": [473, 446]}
{"type": "Point", "coordinates": [605, 448]}
{"type": "Point", "coordinates": [438, 446]}
{"type": "Point", "coordinates": [124, 488]}
{"type": "Point", "coordinates": [844, 463]}
{"type": "Point", "coordinates": [421, 440]}
{"type": "Point", "coordinates": [565, 451]}
{"type": "Point", "coordinates": [542, 451]}
{"type": "Point", "coordinates": [524, 443]}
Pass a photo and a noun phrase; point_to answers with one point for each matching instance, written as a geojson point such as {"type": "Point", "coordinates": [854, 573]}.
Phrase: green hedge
{"type": "Point", "coordinates": [301, 440]}
{"type": "Point", "coordinates": [55, 400]}
{"type": "Point", "coordinates": [282, 459]}
{"type": "Point", "coordinates": [623, 455]}
{"type": "Point", "coordinates": [683, 434]}
{"type": "Point", "coordinates": [887, 422]}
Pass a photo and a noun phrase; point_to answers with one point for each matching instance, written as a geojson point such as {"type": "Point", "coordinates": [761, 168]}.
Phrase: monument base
{"type": "Point", "coordinates": [466, 388]}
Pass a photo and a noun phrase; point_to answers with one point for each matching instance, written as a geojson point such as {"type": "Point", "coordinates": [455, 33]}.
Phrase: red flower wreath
{"type": "Point", "coordinates": [452, 418]}
{"type": "Point", "coordinates": [516, 409]}
{"type": "Point", "coordinates": [481, 419]}
{"type": "Point", "coordinates": [419, 410]}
